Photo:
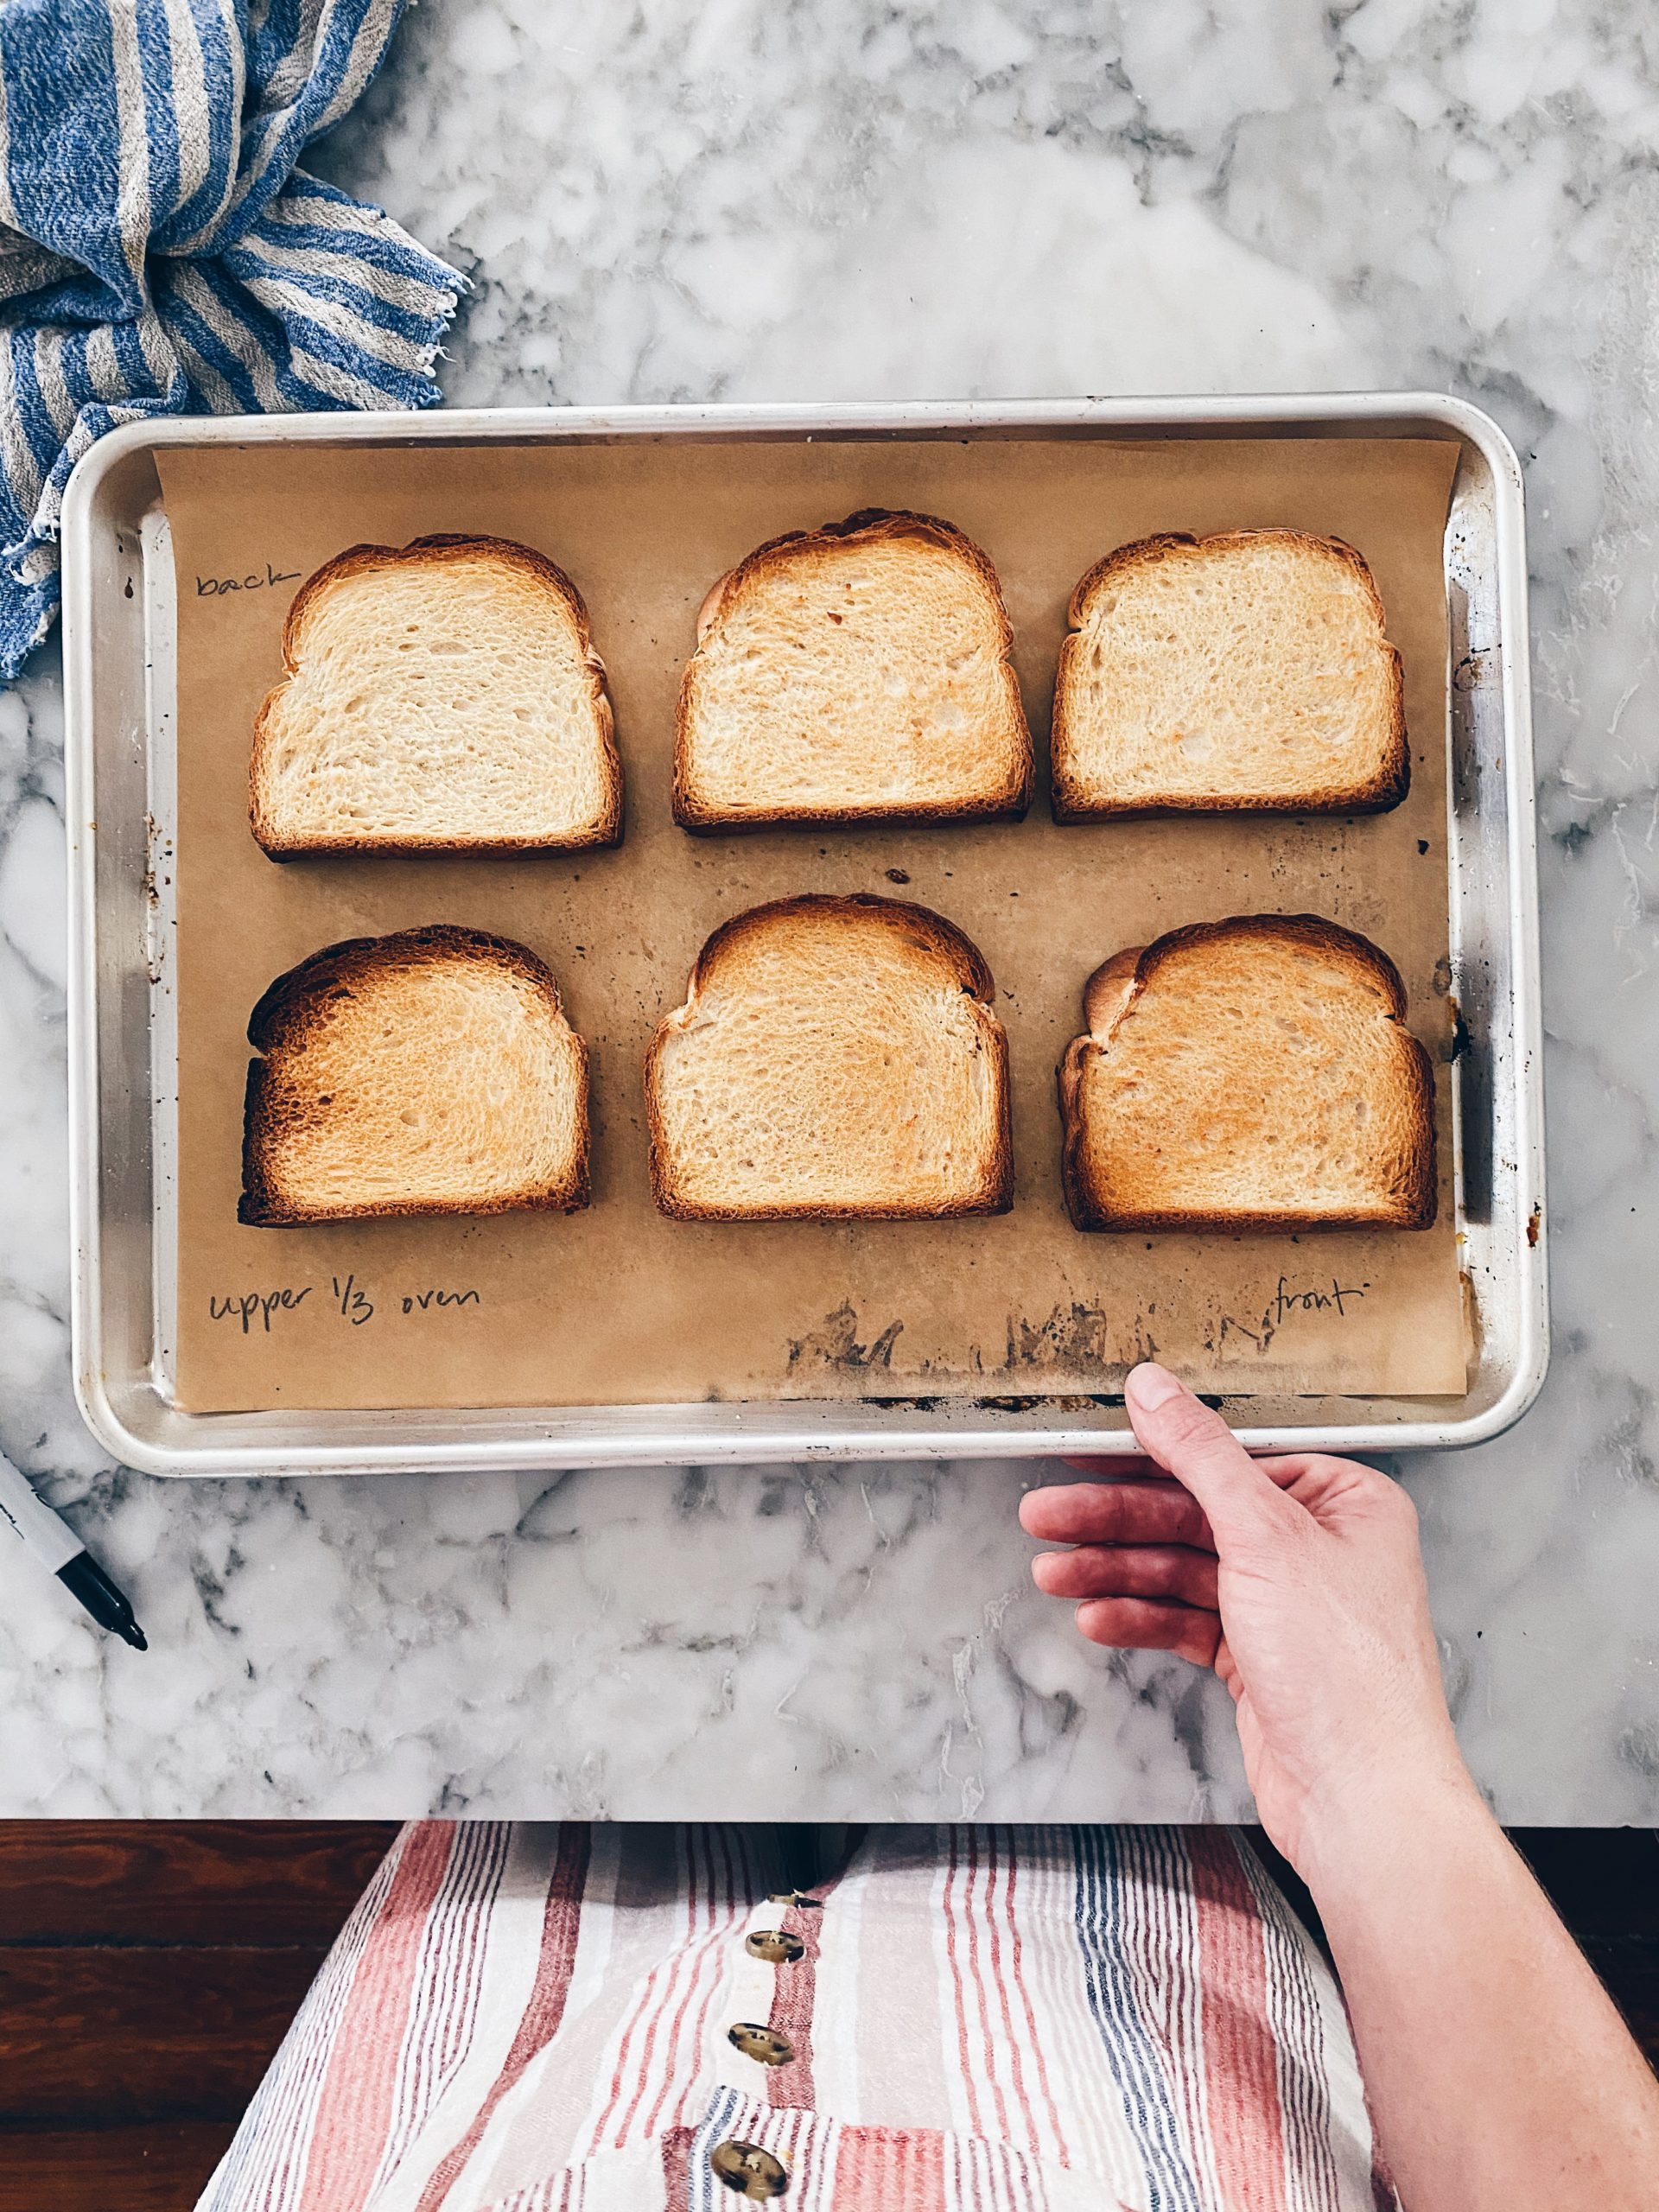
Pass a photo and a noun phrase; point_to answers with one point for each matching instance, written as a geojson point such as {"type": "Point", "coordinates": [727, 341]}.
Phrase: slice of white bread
{"type": "Point", "coordinates": [834, 1058]}
{"type": "Point", "coordinates": [1249, 1074]}
{"type": "Point", "coordinates": [431, 1071]}
{"type": "Point", "coordinates": [856, 673]}
{"type": "Point", "coordinates": [441, 697]}
{"type": "Point", "coordinates": [1247, 670]}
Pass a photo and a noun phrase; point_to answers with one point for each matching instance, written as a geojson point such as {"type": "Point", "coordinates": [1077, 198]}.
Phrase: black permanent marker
{"type": "Point", "coordinates": [38, 1530]}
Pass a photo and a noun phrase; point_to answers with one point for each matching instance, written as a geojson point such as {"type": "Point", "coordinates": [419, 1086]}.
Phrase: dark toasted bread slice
{"type": "Point", "coordinates": [431, 1071]}
{"type": "Point", "coordinates": [1250, 1074]}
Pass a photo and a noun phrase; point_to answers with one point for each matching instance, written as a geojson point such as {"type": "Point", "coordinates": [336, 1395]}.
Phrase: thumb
{"type": "Point", "coordinates": [1195, 1445]}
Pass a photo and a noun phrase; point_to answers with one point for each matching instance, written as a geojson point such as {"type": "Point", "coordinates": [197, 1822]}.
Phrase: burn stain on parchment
{"type": "Point", "coordinates": [1074, 1338]}
{"type": "Point", "coordinates": [836, 1345]}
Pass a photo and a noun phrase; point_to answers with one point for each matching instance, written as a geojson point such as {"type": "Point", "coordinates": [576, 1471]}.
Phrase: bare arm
{"type": "Point", "coordinates": [1501, 2076]}
{"type": "Point", "coordinates": [1498, 2069]}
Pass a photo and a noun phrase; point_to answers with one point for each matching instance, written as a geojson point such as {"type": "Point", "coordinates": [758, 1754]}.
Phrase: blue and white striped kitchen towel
{"type": "Point", "coordinates": [161, 254]}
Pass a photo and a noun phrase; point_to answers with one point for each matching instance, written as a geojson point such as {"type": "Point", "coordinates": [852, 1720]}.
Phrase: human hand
{"type": "Point", "coordinates": [1298, 1579]}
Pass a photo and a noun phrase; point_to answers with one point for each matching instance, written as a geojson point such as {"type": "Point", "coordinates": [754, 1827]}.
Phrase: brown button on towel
{"type": "Point", "coordinates": [775, 1945]}
{"type": "Point", "coordinates": [795, 1897]}
{"type": "Point", "coordinates": [765, 2045]}
{"type": "Point", "coordinates": [750, 2170]}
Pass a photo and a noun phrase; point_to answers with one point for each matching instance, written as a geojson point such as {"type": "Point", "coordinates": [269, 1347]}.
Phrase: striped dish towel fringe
{"type": "Point", "coordinates": [161, 254]}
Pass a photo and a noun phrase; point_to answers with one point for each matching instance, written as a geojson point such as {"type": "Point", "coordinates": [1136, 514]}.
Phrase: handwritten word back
{"type": "Point", "coordinates": [218, 586]}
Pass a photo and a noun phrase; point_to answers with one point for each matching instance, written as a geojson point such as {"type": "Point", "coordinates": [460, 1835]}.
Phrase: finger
{"type": "Point", "coordinates": [1330, 1487]}
{"type": "Point", "coordinates": [1286, 1470]}
{"type": "Point", "coordinates": [1292, 1470]}
{"type": "Point", "coordinates": [1289, 1471]}
{"type": "Point", "coordinates": [1336, 1493]}
{"type": "Point", "coordinates": [1129, 1571]}
{"type": "Point", "coordinates": [1151, 1625]}
{"type": "Point", "coordinates": [1200, 1450]}
{"type": "Point", "coordinates": [1145, 1512]}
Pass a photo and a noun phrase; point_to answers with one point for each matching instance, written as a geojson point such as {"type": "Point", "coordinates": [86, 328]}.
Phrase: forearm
{"type": "Point", "coordinates": [1500, 2076]}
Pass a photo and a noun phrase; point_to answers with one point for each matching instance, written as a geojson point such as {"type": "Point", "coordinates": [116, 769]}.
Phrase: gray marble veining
{"type": "Point", "coordinates": [848, 200]}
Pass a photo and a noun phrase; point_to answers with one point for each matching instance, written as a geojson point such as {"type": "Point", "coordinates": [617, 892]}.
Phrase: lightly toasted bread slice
{"type": "Point", "coordinates": [1244, 672]}
{"type": "Point", "coordinates": [440, 696]}
{"type": "Point", "coordinates": [860, 672]}
{"type": "Point", "coordinates": [431, 1071]}
{"type": "Point", "coordinates": [835, 1057]}
{"type": "Point", "coordinates": [1249, 1074]}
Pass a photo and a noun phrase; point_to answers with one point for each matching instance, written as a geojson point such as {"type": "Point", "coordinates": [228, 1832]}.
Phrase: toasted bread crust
{"type": "Point", "coordinates": [1118, 982]}
{"type": "Point", "coordinates": [287, 1009]}
{"type": "Point", "coordinates": [1072, 806]}
{"type": "Point", "coordinates": [995, 1194]}
{"type": "Point", "coordinates": [871, 525]}
{"type": "Point", "coordinates": [356, 560]}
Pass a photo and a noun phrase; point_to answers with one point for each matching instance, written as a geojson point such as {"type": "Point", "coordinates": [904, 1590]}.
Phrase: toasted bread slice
{"type": "Point", "coordinates": [834, 1058]}
{"type": "Point", "coordinates": [432, 1071]}
{"type": "Point", "coordinates": [1249, 1074]}
{"type": "Point", "coordinates": [441, 696]}
{"type": "Point", "coordinates": [856, 673]}
{"type": "Point", "coordinates": [1247, 670]}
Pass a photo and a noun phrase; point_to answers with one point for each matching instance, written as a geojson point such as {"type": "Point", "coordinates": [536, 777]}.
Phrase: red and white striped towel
{"type": "Point", "coordinates": [533, 2018]}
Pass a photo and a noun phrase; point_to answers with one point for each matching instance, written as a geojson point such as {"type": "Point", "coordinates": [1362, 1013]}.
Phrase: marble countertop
{"type": "Point", "coordinates": [999, 198]}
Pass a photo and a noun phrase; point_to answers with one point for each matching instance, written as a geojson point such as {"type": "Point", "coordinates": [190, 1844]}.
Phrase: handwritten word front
{"type": "Point", "coordinates": [1289, 1299]}
{"type": "Point", "coordinates": [1317, 1301]}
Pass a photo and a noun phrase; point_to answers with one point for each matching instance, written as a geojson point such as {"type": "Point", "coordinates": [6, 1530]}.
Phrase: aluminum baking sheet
{"type": "Point", "coordinates": [118, 636]}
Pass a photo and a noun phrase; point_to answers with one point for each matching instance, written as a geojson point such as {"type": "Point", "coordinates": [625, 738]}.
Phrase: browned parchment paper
{"type": "Point", "coordinates": [615, 1304]}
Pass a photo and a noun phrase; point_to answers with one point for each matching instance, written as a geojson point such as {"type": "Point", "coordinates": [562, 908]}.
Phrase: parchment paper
{"type": "Point", "coordinates": [617, 1305]}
